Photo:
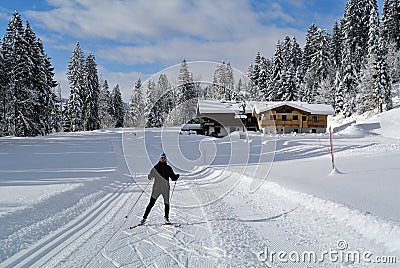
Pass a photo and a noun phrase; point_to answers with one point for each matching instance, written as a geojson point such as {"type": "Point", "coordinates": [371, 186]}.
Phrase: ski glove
{"type": "Point", "coordinates": [149, 177]}
{"type": "Point", "coordinates": [177, 177]}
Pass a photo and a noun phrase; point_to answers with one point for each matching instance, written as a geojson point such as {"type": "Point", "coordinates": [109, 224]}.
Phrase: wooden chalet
{"type": "Point", "coordinates": [292, 116]}
{"type": "Point", "coordinates": [219, 118]}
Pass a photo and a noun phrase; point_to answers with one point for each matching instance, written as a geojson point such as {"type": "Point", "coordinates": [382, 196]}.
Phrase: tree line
{"type": "Point", "coordinates": [90, 105]}
{"type": "Point", "coordinates": [30, 101]}
{"type": "Point", "coordinates": [29, 105]}
{"type": "Point", "coordinates": [352, 69]}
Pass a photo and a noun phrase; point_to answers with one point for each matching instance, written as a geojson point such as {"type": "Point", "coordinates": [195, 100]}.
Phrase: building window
{"type": "Point", "coordinates": [272, 117]}
{"type": "Point", "coordinates": [313, 130]}
{"type": "Point", "coordinates": [304, 118]}
{"type": "Point", "coordinates": [295, 117]}
{"type": "Point", "coordinates": [315, 118]}
{"type": "Point", "coordinates": [284, 117]}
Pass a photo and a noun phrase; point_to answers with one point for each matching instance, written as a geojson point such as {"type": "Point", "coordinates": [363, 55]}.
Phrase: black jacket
{"type": "Point", "coordinates": [164, 170]}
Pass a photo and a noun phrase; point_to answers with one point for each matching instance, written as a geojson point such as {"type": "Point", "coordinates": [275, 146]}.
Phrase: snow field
{"type": "Point", "coordinates": [236, 199]}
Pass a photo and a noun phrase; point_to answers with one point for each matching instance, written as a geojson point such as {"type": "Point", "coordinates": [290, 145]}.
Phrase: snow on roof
{"type": "Point", "coordinates": [190, 126]}
{"type": "Point", "coordinates": [304, 106]}
{"type": "Point", "coordinates": [221, 107]}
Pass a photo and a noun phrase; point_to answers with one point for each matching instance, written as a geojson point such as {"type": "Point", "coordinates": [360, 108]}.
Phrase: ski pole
{"type": "Point", "coordinates": [172, 194]}
{"type": "Point", "coordinates": [137, 199]}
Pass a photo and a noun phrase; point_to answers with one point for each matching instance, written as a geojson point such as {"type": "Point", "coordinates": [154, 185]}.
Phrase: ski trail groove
{"type": "Point", "coordinates": [51, 242]}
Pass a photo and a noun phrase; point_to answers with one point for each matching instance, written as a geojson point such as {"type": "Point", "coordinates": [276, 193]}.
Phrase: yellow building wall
{"type": "Point", "coordinates": [265, 121]}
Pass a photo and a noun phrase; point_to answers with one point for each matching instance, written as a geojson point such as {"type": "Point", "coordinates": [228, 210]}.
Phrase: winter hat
{"type": "Point", "coordinates": [163, 155]}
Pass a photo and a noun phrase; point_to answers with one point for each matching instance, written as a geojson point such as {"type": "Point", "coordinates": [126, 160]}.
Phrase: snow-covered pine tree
{"type": "Point", "coordinates": [393, 60]}
{"type": "Point", "coordinates": [309, 49]}
{"type": "Point", "coordinates": [348, 85]}
{"type": "Point", "coordinates": [167, 97]}
{"type": "Point", "coordinates": [56, 113]}
{"type": "Point", "coordinates": [152, 108]}
{"type": "Point", "coordinates": [251, 88]}
{"type": "Point", "coordinates": [369, 87]}
{"type": "Point", "coordinates": [354, 27]}
{"type": "Point", "coordinates": [296, 54]}
{"type": "Point", "coordinates": [384, 79]}
{"type": "Point", "coordinates": [264, 78]}
{"type": "Point", "coordinates": [14, 31]}
{"type": "Point", "coordinates": [105, 106]}
{"type": "Point", "coordinates": [391, 22]}
{"type": "Point", "coordinates": [223, 82]}
{"type": "Point", "coordinates": [2, 96]}
{"type": "Point", "coordinates": [73, 113]}
{"type": "Point", "coordinates": [52, 116]}
{"type": "Point", "coordinates": [320, 68]}
{"type": "Point", "coordinates": [230, 81]}
{"type": "Point", "coordinates": [91, 98]}
{"type": "Point", "coordinates": [275, 88]}
{"type": "Point", "coordinates": [336, 46]}
{"type": "Point", "coordinates": [118, 109]}
{"type": "Point", "coordinates": [186, 94]}
{"type": "Point", "coordinates": [25, 97]}
{"type": "Point", "coordinates": [291, 64]}
{"type": "Point", "coordinates": [134, 116]}
{"type": "Point", "coordinates": [217, 91]}
{"type": "Point", "coordinates": [338, 98]}
{"type": "Point", "coordinates": [254, 73]}
{"type": "Point", "coordinates": [26, 90]}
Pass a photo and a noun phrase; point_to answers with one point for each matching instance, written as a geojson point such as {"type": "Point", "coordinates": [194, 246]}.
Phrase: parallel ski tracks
{"type": "Point", "coordinates": [49, 246]}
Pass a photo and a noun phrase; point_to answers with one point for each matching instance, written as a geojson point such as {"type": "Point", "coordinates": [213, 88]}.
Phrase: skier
{"type": "Point", "coordinates": [161, 173]}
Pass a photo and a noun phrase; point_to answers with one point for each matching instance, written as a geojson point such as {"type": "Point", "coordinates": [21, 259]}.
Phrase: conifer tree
{"type": "Point", "coordinates": [186, 94]}
{"type": "Point", "coordinates": [391, 22]}
{"type": "Point", "coordinates": [105, 106]}
{"type": "Point", "coordinates": [117, 107]}
{"type": "Point", "coordinates": [91, 97]}
{"type": "Point", "coordinates": [73, 112]}
{"type": "Point", "coordinates": [134, 116]}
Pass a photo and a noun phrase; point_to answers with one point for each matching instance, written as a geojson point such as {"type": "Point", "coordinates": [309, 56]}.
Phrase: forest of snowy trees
{"type": "Point", "coordinates": [90, 104]}
{"type": "Point", "coordinates": [353, 68]}
{"type": "Point", "coordinates": [30, 101]}
{"type": "Point", "coordinates": [29, 104]}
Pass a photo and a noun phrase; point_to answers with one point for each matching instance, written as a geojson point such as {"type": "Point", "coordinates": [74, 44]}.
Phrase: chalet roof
{"type": "Point", "coordinates": [185, 127]}
{"type": "Point", "coordinates": [222, 107]}
{"type": "Point", "coordinates": [324, 109]}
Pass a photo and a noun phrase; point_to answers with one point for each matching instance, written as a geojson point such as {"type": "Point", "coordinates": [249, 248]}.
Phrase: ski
{"type": "Point", "coordinates": [134, 226]}
{"type": "Point", "coordinates": [164, 224]}
{"type": "Point", "coordinates": [172, 224]}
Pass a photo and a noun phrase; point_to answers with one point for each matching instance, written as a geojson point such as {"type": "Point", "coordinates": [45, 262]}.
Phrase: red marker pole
{"type": "Point", "coordinates": [331, 146]}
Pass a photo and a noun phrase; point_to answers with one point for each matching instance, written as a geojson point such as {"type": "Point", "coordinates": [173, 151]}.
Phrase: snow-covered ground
{"type": "Point", "coordinates": [264, 201]}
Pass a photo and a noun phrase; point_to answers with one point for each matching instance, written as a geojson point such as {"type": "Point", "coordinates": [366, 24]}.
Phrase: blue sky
{"type": "Point", "coordinates": [132, 39]}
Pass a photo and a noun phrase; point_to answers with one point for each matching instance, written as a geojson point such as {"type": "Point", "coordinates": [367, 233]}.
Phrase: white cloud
{"type": "Point", "coordinates": [162, 32]}
{"type": "Point", "coordinates": [131, 21]}
{"type": "Point", "coordinates": [240, 53]}
{"type": "Point", "coordinates": [275, 11]}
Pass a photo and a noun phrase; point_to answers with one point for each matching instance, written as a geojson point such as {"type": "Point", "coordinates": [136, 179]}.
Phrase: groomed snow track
{"type": "Point", "coordinates": [228, 232]}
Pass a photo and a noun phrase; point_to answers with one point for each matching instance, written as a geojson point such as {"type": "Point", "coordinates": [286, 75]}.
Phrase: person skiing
{"type": "Point", "coordinates": [161, 173]}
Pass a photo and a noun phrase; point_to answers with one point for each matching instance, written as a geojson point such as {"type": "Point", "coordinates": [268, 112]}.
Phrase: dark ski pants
{"type": "Point", "coordinates": [150, 206]}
